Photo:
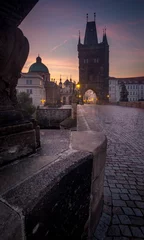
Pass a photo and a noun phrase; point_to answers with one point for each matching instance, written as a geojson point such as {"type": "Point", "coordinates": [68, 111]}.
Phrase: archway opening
{"type": "Point", "coordinates": [90, 97]}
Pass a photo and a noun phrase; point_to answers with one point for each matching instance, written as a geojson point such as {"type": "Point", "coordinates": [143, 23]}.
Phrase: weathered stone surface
{"type": "Point", "coordinates": [53, 187]}
{"type": "Point", "coordinates": [52, 117]}
{"type": "Point", "coordinates": [10, 223]}
{"type": "Point", "coordinates": [14, 146]}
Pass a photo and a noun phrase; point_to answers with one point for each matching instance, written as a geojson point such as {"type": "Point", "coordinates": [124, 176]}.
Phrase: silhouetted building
{"type": "Point", "coordinates": [94, 63]}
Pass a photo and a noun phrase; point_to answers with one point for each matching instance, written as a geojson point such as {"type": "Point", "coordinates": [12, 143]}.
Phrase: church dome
{"type": "Point", "coordinates": [38, 66]}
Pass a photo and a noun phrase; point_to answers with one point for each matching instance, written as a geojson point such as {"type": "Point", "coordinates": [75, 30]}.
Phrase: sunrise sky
{"type": "Point", "coordinates": [52, 30]}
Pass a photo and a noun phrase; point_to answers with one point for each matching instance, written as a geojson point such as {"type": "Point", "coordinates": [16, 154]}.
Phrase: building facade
{"type": "Point", "coordinates": [33, 85]}
{"type": "Point", "coordinates": [66, 91]}
{"type": "Point", "coordinates": [94, 63]}
{"type": "Point", "coordinates": [34, 82]}
{"type": "Point", "coordinates": [134, 86]}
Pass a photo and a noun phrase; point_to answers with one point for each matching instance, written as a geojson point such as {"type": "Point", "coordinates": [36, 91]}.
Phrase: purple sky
{"type": "Point", "coordinates": [52, 30]}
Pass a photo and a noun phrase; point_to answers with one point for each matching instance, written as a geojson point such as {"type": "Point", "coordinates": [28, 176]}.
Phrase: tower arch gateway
{"type": "Point", "coordinates": [94, 63]}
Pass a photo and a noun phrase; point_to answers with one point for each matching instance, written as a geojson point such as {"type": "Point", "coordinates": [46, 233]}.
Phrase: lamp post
{"type": "Point", "coordinates": [78, 92]}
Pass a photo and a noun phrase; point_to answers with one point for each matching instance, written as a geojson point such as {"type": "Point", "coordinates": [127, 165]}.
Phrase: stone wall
{"type": "Point", "coordinates": [58, 196]}
{"type": "Point", "coordinates": [52, 117]}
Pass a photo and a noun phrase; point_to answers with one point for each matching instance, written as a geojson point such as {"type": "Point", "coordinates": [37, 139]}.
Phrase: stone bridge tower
{"type": "Point", "coordinates": [94, 63]}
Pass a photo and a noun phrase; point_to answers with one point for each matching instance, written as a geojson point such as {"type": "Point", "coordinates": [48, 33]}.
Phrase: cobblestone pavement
{"type": "Point", "coordinates": [123, 213]}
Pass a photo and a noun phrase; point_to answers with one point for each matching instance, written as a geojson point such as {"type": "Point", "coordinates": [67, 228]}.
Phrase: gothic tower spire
{"type": "Point", "coordinates": [91, 33]}
{"type": "Point", "coordinates": [79, 41]}
{"type": "Point", "coordinates": [105, 41]}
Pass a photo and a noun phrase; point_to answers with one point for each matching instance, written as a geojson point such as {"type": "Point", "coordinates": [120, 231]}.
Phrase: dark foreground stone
{"type": "Point", "coordinates": [57, 193]}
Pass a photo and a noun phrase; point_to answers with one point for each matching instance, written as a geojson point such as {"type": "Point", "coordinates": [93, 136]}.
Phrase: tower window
{"type": "Point", "coordinates": [96, 60]}
{"type": "Point", "coordinates": [85, 60]}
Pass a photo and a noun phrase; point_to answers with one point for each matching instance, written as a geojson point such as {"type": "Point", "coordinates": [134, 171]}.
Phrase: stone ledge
{"type": "Point", "coordinates": [54, 197]}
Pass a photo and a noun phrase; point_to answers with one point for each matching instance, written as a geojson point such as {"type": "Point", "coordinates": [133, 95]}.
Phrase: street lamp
{"type": "Point", "coordinates": [78, 92]}
{"type": "Point", "coordinates": [78, 85]}
{"type": "Point", "coordinates": [43, 101]}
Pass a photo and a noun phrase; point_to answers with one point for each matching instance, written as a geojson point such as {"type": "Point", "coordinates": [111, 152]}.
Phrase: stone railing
{"type": "Point", "coordinates": [49, 196]}
{"type": "Point", "coordinates": [132, 104]}
{"type": "Point", "coordinates": [52, 117]}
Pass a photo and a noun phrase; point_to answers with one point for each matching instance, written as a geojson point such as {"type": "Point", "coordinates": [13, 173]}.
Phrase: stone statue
{"type": "Point", "coordinates": [14, 49]}
{"type": "Point", "coordinates": [123, 93]}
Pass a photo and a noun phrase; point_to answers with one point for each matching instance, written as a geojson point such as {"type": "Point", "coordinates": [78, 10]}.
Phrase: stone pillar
{"type": "Point", "coordinates": [74, 110]}
{"type": "Point", "coordinates": [18, 132]}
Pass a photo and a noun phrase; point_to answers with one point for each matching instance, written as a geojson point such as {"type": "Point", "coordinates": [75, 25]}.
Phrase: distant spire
{"type": "Point", "coordinates": [38, 59]}
{"type": "Point", "coordinates": [87, 17]}
{"type": "Point", "coordinates": [94, 16]}
{"type": "Point", "coordinates": [79, 41]}
{"type": "Point", "coordinates": [105, 41]}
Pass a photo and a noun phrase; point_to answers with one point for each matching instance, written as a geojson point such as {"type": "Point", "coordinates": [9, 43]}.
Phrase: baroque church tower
{"type": "Point", "coordinates": [94, 63]}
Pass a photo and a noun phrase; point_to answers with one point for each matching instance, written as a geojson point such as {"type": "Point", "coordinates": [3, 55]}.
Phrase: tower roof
{"type": "Point", "coordinates": [91, 34]}
{"type": "Point", "coordinates": [105, 41]}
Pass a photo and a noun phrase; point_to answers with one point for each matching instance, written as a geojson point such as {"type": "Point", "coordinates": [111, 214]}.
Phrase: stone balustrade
{"type": "Point", "coordinates": [132, 104]}
{"type": "Point", "coordinates": [52, 117]}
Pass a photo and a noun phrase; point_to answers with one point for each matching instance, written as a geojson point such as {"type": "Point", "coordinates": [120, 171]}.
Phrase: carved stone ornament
{"type": "Point", "coordinates": [14, 49]}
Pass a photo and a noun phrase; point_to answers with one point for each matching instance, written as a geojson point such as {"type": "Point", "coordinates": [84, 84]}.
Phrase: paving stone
{"type": "Point", "coordinates": [142, 228]}
{"type": "Point", "coordinates": [124, 190]}
{"type": "Point", "coordinates": [124, 196]}
{"type": "Point", "coordinates": [117, 210]}
{"type": "Point", "coordinates": [133, 192]}
{"type": "Point", "coordinates": [135, 197]}
{"type": "Point", "coordinates": [114, 231]}
{"type": "Point", "coordinates": [119, 203]}
{"type": "Point", "coordinates": [101, 230]}
{"type": "Point", "coordinates": [139, 221]}
{"type": "Point", "coordinates": [107, 209]}
{"type": "Point", "coordinates": [137, 232]}
{"type": "Point", "coordinates": [133, 187]}
{"type": "Point", "coordinates": [125, 231]}
{"type": "Point", "coordinates": [128, 211]}
{"type": "Point", "coordinates": [115, 220]}
{"type": "Point", "coordinates": [139, 204]}
{"type": "Point", "coordinates": [120, 238]}
{"type": "Point", "coordinates": [137, 212]}
{"type": "Point", "coordinates": [119, 185]}
{"type": "Point", "coordinates": [115, 196]}
{"type": "Point", "coordinates": [130, 204]}
{"type": "Point", "coordinates": [141, 192]}
{"type": "Point", "coordinates": [108, 200]}
{"type": "Point", "coordinates": [106, 218]}
{"type": "Point", "coordinates": [108, 238]}
{"type": "Point", "coordinates": [124, 219]}
{"type": "Point", "coordinates": [124, 168]}
{"type": "Point", "coordinates": [112, 185]}
{"type": "Point", "coordinates": [116, 190]}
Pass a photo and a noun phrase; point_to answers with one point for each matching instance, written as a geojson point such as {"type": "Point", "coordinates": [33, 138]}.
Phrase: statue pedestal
{"type": "Point", "coordinates": [17, 141]}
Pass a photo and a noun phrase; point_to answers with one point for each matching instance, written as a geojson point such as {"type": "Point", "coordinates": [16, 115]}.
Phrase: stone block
{"type": "Point", "coordinates": [14, 146]}
{"type": "Point", "coordinates": [11, 224]}
{"type": "Point", "coordinates": [50, 118]}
